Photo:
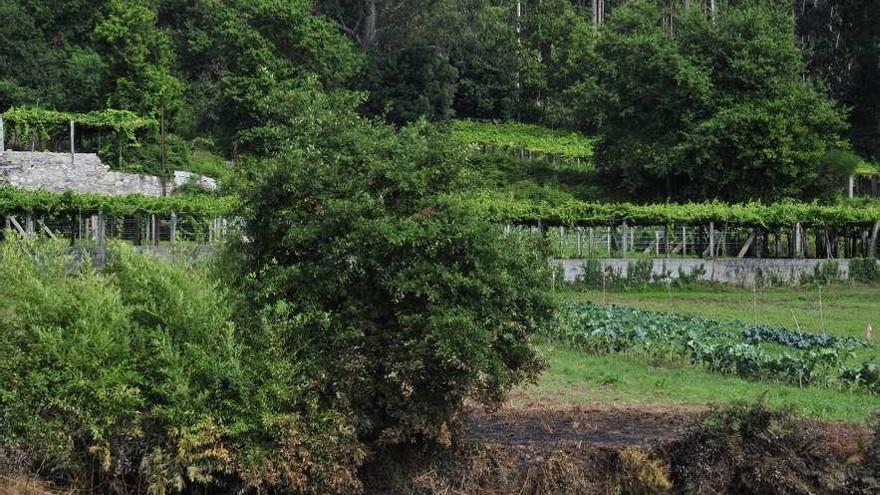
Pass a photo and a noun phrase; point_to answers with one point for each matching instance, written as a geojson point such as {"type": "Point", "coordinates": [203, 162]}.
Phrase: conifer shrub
{"type": "Point", "coordinates": [135, 377]}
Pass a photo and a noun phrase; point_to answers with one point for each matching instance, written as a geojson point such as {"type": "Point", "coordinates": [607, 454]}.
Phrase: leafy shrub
{"type": "Point", "coordinates": [136, 377]}
{"type": "Point", "coordinates": [406, 304]}
{"type": "Point", "coordinates": [593, 275]}
{"type": "Point", "coordinates": [639, 272]}
{"type": "Point", "coordinates": [686, 278]}
{"type": "Point", "coordinates": [825, 272]}
{"type": "Point", "coordinates": [864, 270]}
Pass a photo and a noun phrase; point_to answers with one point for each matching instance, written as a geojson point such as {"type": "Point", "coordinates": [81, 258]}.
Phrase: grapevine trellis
{"type": "Point", "coordinates": [32, 129]}
{"type": "Point", "coordinates": [708, 230]}
{"type": "Point", "coordinates": [90, 220]}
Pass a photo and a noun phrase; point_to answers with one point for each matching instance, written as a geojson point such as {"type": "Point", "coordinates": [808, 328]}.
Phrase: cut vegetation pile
{"type": "Point", "coordinates": [743, 449]}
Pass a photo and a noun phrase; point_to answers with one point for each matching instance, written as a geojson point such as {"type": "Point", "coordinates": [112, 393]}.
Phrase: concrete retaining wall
{"type": "Point", "coordinates": [735, 271]}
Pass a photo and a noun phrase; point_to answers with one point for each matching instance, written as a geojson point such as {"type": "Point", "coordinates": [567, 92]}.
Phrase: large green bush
{"type": "Point", "coordinates": [135, 377]}
{"type": "Point", "coordinates": [406, 304]}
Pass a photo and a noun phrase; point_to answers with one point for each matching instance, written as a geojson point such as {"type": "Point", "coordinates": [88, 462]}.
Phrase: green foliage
{"type": "Point", "coordinates": [864, 270]}
{"type": "Point", "coordinates": [43, 124]}
{"type": "Point", "coordinates": [720, 109]}
{"type": "Point", "coordinates": [726, 347]}
{"type": "Point", "coordinates": [18, 201]}
{"type": "Point", "coordinates": [826, 272]}
{"type": "Point", "coordinates": [408, 305]}
{"type": "Point", "coordinates": [135, 376]}
{"type": "Point", "coordinates": [558, 81]}
{"type": "Point", "coordinates": [516, 136]}
{"type": "Point", "coordinates": [501, 208]}
{"type": "Point", "coordinates": [140, 57]}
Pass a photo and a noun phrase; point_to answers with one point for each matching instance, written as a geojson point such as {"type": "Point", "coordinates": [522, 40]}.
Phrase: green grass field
{"type": "Point", "coordinates": [577, 378]}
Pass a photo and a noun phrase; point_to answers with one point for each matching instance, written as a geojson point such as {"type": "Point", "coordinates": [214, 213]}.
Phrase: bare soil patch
{"type": "Point", "coordinates": [612, 427]}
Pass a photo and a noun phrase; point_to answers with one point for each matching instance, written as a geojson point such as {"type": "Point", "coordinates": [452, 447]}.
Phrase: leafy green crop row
{"type": "Point", "coordinates": [18, 201]}
{"type": "Point", "coordinates": [726, 347]}
{"type": "Point", "coordinates": [504, 209]}
{"type": "Point", "coordinates": [514, 135]}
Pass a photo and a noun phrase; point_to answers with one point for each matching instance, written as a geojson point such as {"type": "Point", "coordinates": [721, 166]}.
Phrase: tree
{"type": "Point", "coordinates": [403, 304]}
{"type": "Point", "coordinates": [702, 112]}
{"type": "Point", "coordinates": [843, 39]}
{"type": "Point", "coordinates": [140, 58]}
{"type": "Point", "coordinates": [559, 80]}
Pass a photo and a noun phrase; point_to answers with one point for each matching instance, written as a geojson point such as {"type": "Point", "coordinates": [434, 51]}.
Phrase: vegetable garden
{"type": "Point", "coordinates": [755, 352]}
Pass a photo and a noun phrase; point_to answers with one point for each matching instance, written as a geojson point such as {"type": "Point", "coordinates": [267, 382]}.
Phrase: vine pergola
{"type": "Point", "coordinates": [34, 128]}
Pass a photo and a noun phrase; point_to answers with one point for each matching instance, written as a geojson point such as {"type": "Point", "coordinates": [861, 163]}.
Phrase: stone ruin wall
{"type": "Point", "coordinates": [85, 173]}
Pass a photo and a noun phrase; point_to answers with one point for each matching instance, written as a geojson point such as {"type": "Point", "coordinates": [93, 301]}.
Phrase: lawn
{"type": "Point", "coordinates": [577, 378]}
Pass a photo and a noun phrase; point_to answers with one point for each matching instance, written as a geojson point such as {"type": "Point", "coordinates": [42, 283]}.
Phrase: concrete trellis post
{"type": "Point", "coordinates": [591, 249]}
{"type": "Point", "coordinates": [711, 239]}
{"type": "Point", "coordinates": [173, 234]}
{"type": "Point", "coordinates": [72, 142]}
{"type": "Point", "coordinates": [99, 228]}
{"type": "Point", "coordinates": [872, 248]}
{"type": "Point", "coordinates": [608, 241]}
{"type": "Point", "coordinates": [798, 241]}
{"type": "Point", "coordinates": [623, 241]}
{"type": "Point", "coordinates": [684, 242]}
{"type": "Point", "coordinates": [2, 136]}
{"type": "Point", "coordinates": [100, 253]}
{"type": "Point", "coordinates": [29, 226]}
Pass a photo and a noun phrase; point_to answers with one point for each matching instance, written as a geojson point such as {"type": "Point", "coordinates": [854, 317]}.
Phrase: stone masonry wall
{"type": "Point", "coordinates": [87, 174]}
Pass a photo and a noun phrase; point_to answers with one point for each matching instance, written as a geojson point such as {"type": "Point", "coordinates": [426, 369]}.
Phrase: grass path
{"type": "Point", "coordinates": [578, 379]}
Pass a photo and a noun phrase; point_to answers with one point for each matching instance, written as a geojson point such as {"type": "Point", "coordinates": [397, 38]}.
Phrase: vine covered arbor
{"type": "Point", "coordinates": [707, 230]}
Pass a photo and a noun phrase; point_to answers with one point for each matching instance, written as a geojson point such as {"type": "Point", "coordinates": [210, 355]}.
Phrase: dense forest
{"type": "Point", "coordinates": [689, 97]}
